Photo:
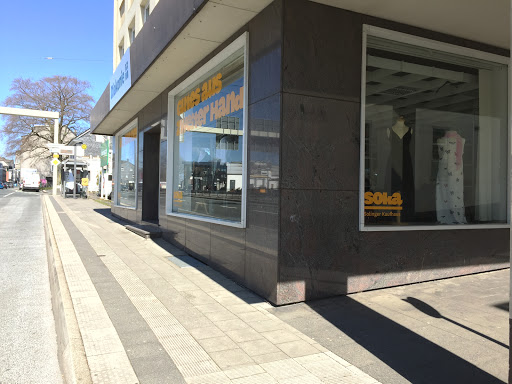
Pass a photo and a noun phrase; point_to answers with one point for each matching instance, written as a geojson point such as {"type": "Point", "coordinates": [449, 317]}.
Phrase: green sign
{"type": "Point", "coordinates": [105, 147]}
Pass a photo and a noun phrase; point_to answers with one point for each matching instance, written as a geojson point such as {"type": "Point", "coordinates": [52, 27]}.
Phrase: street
{"type": "Point", "coordinates": [27, 329]}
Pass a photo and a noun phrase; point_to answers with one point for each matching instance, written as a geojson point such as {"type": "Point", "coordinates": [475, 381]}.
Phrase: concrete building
{"type": "Point", "coordinates": [315, 148]}
{"type": "Point", "coordinates": [129, 18]}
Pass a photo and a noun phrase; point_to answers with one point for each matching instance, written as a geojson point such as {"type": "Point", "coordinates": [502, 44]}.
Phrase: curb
{"type": "Point", "coordinates": [71, 352]}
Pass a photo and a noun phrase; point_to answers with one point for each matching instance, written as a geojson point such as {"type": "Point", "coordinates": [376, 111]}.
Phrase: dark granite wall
{"type": "Point", "coordinates": [322, 253]}
{"type": "Point", "coordinates": [248, 255]}
{"type": "Point", "coordinates": [302, 239]}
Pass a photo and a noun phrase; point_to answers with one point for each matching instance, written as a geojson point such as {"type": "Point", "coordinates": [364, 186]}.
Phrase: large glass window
{"type": "Point", "coordinates": [208, 151]}
{"type": "Point", "coordinates": [126, 170]}
{"type": "Point", "coordinates": [436, 137]}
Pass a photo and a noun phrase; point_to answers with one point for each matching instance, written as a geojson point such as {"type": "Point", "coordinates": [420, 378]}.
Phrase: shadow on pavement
{"type": "Point", "coordinates": [504, 306]}
{"type": "Point", "coordinates": [108, 214]}
{"type": "Point", "coordinates": [412, 356]}
{"type": "Point", "coordinates": [431, 311]}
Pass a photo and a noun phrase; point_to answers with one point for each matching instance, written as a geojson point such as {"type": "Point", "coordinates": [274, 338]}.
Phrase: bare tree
{"type": "Point", "coordinates": [29, 135]}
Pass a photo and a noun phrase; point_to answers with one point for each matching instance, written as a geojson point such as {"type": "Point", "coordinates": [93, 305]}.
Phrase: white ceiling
{"type": "Point", "coordinates": [485, 21]}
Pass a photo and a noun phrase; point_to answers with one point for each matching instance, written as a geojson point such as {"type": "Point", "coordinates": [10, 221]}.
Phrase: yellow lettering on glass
{"type": "Point", "coordinates": [209, 88]}
{"type": "Point", "coordinates": [381, 200]}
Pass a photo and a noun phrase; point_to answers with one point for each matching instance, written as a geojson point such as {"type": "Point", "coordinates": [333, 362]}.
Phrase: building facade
{"type": "Point", "coordinates": [315, 148]}
{"type": "Point", "coordinates": [129, 18]}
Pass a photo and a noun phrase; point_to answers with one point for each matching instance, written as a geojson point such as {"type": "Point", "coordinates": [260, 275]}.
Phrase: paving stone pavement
{"type": "Point", "coordinates": [447, 331]}
{"type": "Point", "coordinates": [145, 319]}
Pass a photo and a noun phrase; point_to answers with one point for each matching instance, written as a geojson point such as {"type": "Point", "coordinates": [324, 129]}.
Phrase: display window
{"type": "Point", "coordinates": [435, 128]}
{"type": "Point", "coordinates": [207, 148]}
{"type": "Point", "coordinates": [126, 186]}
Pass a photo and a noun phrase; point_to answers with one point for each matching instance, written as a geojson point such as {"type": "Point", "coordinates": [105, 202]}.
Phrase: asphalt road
{"type": "Point", "coordinates": [28, 346]}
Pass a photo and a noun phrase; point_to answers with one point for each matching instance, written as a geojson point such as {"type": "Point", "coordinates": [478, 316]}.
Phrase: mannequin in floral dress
{"type": "Point", "coordinates": [450, 180]}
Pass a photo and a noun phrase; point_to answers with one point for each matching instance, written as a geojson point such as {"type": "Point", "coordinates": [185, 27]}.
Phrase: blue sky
{"type": "Point", "coordinates": [77, 34]}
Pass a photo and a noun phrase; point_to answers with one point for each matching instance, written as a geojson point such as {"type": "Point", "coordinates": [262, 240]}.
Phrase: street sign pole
{"type": "Point", "coordinates": [55, 167]}
{"type": "Point", "coordinates": [74, 172]}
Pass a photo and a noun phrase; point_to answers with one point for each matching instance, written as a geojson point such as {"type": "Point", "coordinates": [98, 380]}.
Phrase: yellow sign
{"type": "Point", "coordinates": [230, 103]}
{"type": "Point", "coordinates": [381, 201]}
{"type": "Point", "coordinates": [85, 181]}
{"type": "Point", "coordinates": [55, 161]}
{"type": "Point", "coordinates": [56, 155]}
{"type": "Point", "coordinates": [208, 89]}
{"type": "Point", "coordinates": [84, 146]}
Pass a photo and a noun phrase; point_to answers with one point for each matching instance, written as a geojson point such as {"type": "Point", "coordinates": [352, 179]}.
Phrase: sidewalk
{"type": "Point", "coordinates": [148, 313]}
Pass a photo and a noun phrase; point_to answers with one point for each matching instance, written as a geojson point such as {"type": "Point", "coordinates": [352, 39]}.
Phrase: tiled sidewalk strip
{"type": "Point", "coordinates": [149, 360]}
{"type": "Point", "coordinates": [214, 330]}
{"type": "Point", "coordinates": [106, 356]}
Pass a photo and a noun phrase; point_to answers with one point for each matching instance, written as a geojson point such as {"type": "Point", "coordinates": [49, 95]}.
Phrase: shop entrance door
{"type": "Point", "coordinates": [151, 174]}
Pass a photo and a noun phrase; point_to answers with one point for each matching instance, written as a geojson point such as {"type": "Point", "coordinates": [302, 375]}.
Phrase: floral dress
{"type": "Point", "coordinates": [450, 180]}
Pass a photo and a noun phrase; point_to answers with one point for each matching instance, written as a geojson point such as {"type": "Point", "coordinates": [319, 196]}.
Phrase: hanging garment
{"type": "Point", "coordinates": [450, 180]}
{"type": "Point", "coordinates": [400, 168]}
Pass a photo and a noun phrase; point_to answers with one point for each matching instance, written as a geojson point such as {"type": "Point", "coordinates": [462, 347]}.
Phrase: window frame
{"type": "Point", "coordinates": [133, 124]}
{"type": "Point", "coordinates": [370, 30]}
{"type": "Point", "coordinates": [122, 7]}
{"type": "Point", "coordinates": [131, 34]}
{"type": "Point", "coordinates": [242, 42]}
{"type": "Point", "coordinates": [145, 15]}
{"type": "Point", "coordinates": [121, 50]}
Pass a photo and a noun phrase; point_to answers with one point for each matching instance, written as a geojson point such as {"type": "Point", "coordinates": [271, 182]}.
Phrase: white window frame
{"type": "Point", "coordinates": [121, 51]}
{"type": "Point", "coordinates": [145, 14]}
{"type": "Point", "coordinates": [118, 136]}
{"type": "Point", "coordinates": [131, 34]}
{"type": "Point", "coordinates": [369, 30]}
{"type": "Point", "coordinates": [122, 7]}
{"type": "Point", "coordinates": [241, 42]}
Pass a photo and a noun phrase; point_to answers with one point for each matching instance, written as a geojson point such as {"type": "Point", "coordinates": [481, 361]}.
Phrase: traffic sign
{"type": "Point", "coordinates": [55, 161]}
{"type": "Point", "coordinates": [56, 155]}
{"type": "Point", "coordinates": [66, 149]}
{"type": "Point", "coordinates": [84, 146]}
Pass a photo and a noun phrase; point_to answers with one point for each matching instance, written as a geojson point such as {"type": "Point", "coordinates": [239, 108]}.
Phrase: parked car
{"type": "Point", "coordinates": [2, 186]}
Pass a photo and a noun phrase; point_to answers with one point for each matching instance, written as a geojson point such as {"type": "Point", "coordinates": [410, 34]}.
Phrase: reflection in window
{"type": "Point", "coordinates": [127, 171]}
{"type": "Point", "coordinates": [435, 137]}
{"type": "Point", "coordinates": [208, 145]}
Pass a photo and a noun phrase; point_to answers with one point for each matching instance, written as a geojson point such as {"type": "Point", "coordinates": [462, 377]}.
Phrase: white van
{"type": "Point", "coordinates": [30, 180]}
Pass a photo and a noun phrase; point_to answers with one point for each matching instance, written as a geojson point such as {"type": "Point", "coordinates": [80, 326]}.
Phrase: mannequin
{"type": "Point", "coordinates": [399, 128]}
{"type": "Point", "coordinates": [400, 168]}
{"type": "Point", "coordinates": [450, 180]}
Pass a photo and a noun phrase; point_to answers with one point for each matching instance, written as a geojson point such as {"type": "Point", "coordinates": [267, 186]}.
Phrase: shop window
{"type": "Point", "coordinates": [208, 147]}
{"type": "Point", "coordinates": [126, 163]}
{"type": "Point", "coordinates": [435, 135]}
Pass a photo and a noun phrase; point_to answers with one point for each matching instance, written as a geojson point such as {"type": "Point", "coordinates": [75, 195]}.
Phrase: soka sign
{"type": "Point", "coordinates": [121, 80]}
{"type": "Point", "coordinates": [381, 201]}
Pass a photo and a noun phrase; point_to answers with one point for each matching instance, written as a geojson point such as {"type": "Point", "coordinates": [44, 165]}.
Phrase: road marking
{"type": "Point", "coordinates": [10, 194]}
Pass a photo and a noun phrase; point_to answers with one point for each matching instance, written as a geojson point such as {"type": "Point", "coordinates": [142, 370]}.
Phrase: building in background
{"type": "Point", "coordinates": [91, 157]}
{"type": "Point", "coordinates": [8, 171]}
{"type": "Point", "coordinates": [34, 154]}
{"type": "Point", "coordinates": [315, 148]}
